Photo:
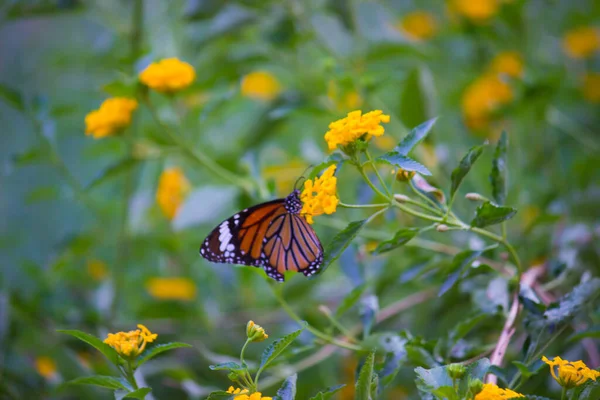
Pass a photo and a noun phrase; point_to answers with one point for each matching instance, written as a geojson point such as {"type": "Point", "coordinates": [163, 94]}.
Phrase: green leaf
{"type": "Point", "coordinates": [227, 366]}
{"type": "Point", "coordinates": [435, 380]}
{"type": "Point", "coordinates": [31, 156]}
{"type": "Point", "coordinates": [42, 193]}
{"type": "Point", "coordinates": [220, 395]}
{"type": "Point", "coordinates": [328, 393]}
{"type": "Point", "coordinates": [287, 391]}
{"type": "Point", "coordinates": [460, 263]}
{"type": "Point", "coordinates": [490, 214]}
{"type": "Point", "coordinates": [341, 241]}
{"type": "Point", "coordinates": [105, 349]}
{"type": "Point", "coordinates": [498, 175]}
{"type": "Point", "coordinates": [137, 394]}
{"type": "Point", "coordinates": [12, 97]}
{"type": "Point", "coordinates": [126, 87]}
{"type": "Point", "coordinates": [401, 237]}
{"type": "Point", "coordinates": [465, 326]}
{"type": "Point", "coordinates": [464, 167]}
{"type": "Point", "coordinates": [277, 347]}
{"type": "Point", "coordinates": [528, 371]}
{"type": "Point", "coordinates": [365, 378]}
{"type": "Point", "coordinates": [571, 304]}
{"type": "Point", "coordinates": [113, 171]}
{"type": "Point", "coordinates": [332, 159]}
{"type": "Point", "coordinates": [588, 333]}
{"type": "Point", "coordinates": [413, 108]}
{"type": "Point", "coordinates": [350, 300]}
{"type": "Point", "coordinates": [401, 161]}
{"type": "Point", "coordinates": [414, 137]}
{"type": "Point", "coordinates": [333, 34]}
{"type": "Point", "coordinates": [108, 382]}
{"type": "Point", "coordinates": [391, 366]}
{"type": "Point", "coordinates": [161, 348]}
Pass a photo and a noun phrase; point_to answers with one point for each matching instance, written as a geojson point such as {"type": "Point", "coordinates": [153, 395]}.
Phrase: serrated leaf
{"type": "Point", "coordinates": [328, 393]}
{"type": "Point", "coordinates": [401, 161]}
{"type": "Point", "coordinates": [137, 394]}
{"type": "Point", "coordinates": [573, 302]}
{"type": "Point", "coordinates": [227, 366]}
{"type": "Point", "coordinates": [414, 137]}
{"type": "Point", "coordinates": [277, 347]}
{"type": "Point", "coordinates": [350, 300]}
{"type": "Point", "coordinates": [105, 349]}
{"type": "Point", "coordinates": [365, 377]}
{"type": "Point", "coordinates": [341, 241]}
{"type": "Point", "coordinates": [498, 175]}
{"type": "Point", "coordinates": [401, 237]}
{"type": "Point", "coordinates": [287, 391]}
{"type": "Point", "coordinates": [490, 214]}
{"type": "Point", "coordinates": [161, 348]}
{"type": "Point", "coordinates": [391, 366]}
{"type": "Point", "coordinates": [464, 167]}
{"type": "Point", "coordinates": [112, 171]}
{"type": "Point", "coordinates": [460, 263]}
{"type": "Point", "coordinates": [435, 380]}
{"type": "Point", "coordinates": [12, 97]}
{"type": "Point", "coordinates": [108, 382]}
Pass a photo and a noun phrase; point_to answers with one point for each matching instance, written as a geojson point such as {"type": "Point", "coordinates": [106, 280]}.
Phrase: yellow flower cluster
{"type": "Point", "coordinates": [132, 343]}
{"type": "Point", "coordinates": [478, 11]}
{"type": "Point", "coordinates": [591, 87]}
{"type": "Point", "coordinates": [255, 333]}
{"type": "Point", "coordinates": [346, 130]}
{"type": "Point", "coordinates": [418, 25]}
{"type": "Point", "coordinates": [484, 96]}
{"type": "Point", "coordinates": [243, 394]}
{"type": "Point", "coordinates": [319, 195]}
{"type": "Point", "coordinates": [171, 288]}
{"type": "Point", "coordinates": [493, 392]}
{"type": "Point", "coordinates": [45, 366]}
{"type": "Point", "coordinates": [112, 116]}
{"type": "Point", "coordinates": [582, 42]}
{"type": "Point", "coordinates": [509, 63]}
{"type": "Point", "coordinates": [172, 190]}
{"type": "Point", "coordinates": [260, 85]}
{"type": "Point", "coordinates": [168, 75]}
{"type": "Point", "coordinates": [97, 269]}
{"type": "Point", "coordinates": [570, 373]}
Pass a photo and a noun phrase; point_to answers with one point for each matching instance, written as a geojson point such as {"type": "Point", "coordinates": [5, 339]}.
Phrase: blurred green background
{"type": "Point", "coordinates": [81, 235]}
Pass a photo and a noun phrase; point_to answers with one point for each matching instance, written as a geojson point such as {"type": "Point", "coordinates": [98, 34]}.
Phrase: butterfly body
{"type": "Point", "coordinates": [271, 235]}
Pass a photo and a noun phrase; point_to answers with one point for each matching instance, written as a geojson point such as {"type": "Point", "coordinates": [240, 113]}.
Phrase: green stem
{"type": "Point", "coordinates": [416, 213]}
{"type": "Point", "coordinates": [130, 375]}
{"type": "Point", "coordinates": [344, 205]}
{"type": "Point", "coordinates": [343, 330]}
{"type": "Point", "coordinates": [381, 181]}
{"type": "Point", "coordinates": [362, 172]}
{"type": "Point", "coordinates": [242, 352]}
{"type": "Point", "coordinates": [427, 199]}
{"type": "Point", "coordinates": [423, 206]}
{"type": "Point", "coordinates": [564, 393]}
{"type": "Point", "coordinates": [197, 155]}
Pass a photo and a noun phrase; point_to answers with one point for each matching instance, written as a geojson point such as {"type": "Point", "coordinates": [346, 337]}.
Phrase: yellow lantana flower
{"type": "Point", "coordinates": [478, 11]}
{"type": "Point", "coordinates": [168, 75]}
{"type": "Point", "coordinates": [173, 187]}
{"type": "Point", "coordinates": [482, 98]}
{"type": "Point", "coordinates": [582, 42]}
{"type": "Point", "coordinates": [260, 85]}
{"type": "Point", "coordinates": [493, 392]}
{"type": "Point", "coordinates": [97, 269]}
{"type": "Point", "coordinates": [132, 343]}
{"type": "Point", "coordinates": [403, 175]}
{"type": "Point", "coordinates": [255, 333]}
{"type": "Point", "coordinates": [171, 288]}
{"type": "Point", "coordinates": [45, 366]}
{"type": "Point", "coordinates": [418, 25]}
{"type": "Point", "coordinates": [347, 130]}
{"type": "Point", "coordinates": [319, 195]}
{"type": "Point", "coordinates": [591, 87]}
{"type": "Point", "coordinates": [570, 373]}
{"type": "Point", "coordinates": [508, 63]}
{"type": "Point", "coordinates": [112, 116]}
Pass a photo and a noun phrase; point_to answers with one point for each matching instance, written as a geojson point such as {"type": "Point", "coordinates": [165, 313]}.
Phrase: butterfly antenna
{"type": "Point", "coordinates": [302, 177]}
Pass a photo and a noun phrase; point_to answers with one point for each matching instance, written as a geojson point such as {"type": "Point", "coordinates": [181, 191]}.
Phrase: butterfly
{"type": "Point", "coordinates": [271, 235]}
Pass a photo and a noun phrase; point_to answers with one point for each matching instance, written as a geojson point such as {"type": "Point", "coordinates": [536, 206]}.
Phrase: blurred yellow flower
{"type": "Point", "coordinates": [493, 392]}
{"type": "Point", "coordinates": [418, 25]}
{"type": "Point", "coordinates": [284, 176]}
{"type": "Point", "coordinates": [173, 187]}
{"type": "Point", "coordinates": [236, 391]}
{"type": "Point", "coordinates": [582, 42]}
{"type": "Point", "coordinates": [386, 143]}
{"type": "Point", "coordinates": [343, 100]}
{"type": "Point", "coordinates": [347, 130]}
{"type": "Point", "coordinates": [112, 116]}
{"type": "Point", "coordinates": [45, 366]}
{"type": "Point", "coordinates": [508, 63]}
{"type": "Point", "coordinates": [132, 343]}
{"type": "Point", "coordinates": [570, 373]}
{"type": "Point", "coordinates": [482, 98]}
{"type": "Point", "coordinates": [591, 87]}
{"type": "Point", "coordinates": [171, 288]}
{"type": "Point", "coordinates": [478, 11]}
{"type": "Point", "coordinates": [319, 195]}
{"type": "Point", "coordinates": [255, 333]}
{"type": "Point", "coordinates": [97, 269]}
{"type": "Point", "coordinates": [260, 85]}
{"type": "Point", "coordinates": [168, 75]}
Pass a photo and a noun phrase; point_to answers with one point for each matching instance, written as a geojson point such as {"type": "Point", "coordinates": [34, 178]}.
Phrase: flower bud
{"type": "Point", "coordinates": [456, 371]}
{"type": "Point", "coordinates": [442, 228]}
{"type": "Point", "coordinates": [255, 333]}
{"type": "Point", "coordinates": [475, 386]}
{"type": "Point", "coordinates": [475, 197]}
{"type": "Point", "coordinates": [403, 175]}
{"type": "Point", "coordinates": [324, 309]}
{"type": "Point", "coordinates": [400, 198]}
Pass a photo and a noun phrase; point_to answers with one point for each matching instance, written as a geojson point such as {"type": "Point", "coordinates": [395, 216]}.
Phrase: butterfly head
{"type": "Point", "coordinates": [293, 204]}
